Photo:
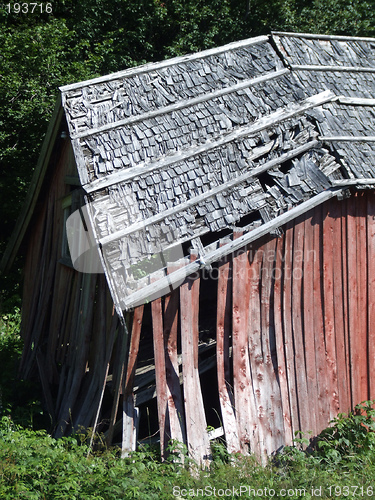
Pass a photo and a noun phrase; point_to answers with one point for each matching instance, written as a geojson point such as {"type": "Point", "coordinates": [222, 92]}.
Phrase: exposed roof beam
{"type": "Point", "coordinates": [357, 101]}
{"type": "Point", "coordinates": [347, 138]}
{"type": "Point", "coordinates": [318, 67]}
{"type": "Point", "coordinates": [208, 194]}
{"type": "Point", "coordinates": [177, 276]}
{"type": "Point", "coordinates": [246, 131]}
{"type": "Point", "coordinates": [185, 103]}
{"type": "Point", "coordinates": [353, 182]}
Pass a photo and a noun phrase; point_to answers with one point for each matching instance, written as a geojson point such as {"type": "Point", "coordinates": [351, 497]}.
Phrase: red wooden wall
{"type": "Point", "coordinates": [295, 331]}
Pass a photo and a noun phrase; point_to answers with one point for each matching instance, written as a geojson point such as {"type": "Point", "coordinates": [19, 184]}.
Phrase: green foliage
{"type": "Point", "coordinates": [351, 439]}
{"type": "Point", "coordinates": [34, 465]}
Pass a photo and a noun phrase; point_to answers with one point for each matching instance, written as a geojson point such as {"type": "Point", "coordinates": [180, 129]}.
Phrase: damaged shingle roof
{"type": "Point", "coordinates": [186, 150]}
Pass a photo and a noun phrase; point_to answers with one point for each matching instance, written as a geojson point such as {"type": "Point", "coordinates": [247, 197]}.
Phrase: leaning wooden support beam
{"type": "Point", "coordinates": [175, 407]}
{"type": "Point", "coordinates": [160, 377]}
{"type": "Point", "coordinates": [223, 329]}
{"type": "Point", "coordinates": [128, 414]}
{"type": "Point", "coordinates": [196, 426]}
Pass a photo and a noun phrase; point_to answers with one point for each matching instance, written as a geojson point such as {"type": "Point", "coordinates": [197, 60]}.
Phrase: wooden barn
{"type": "Point", "coordinates": [222, 271]}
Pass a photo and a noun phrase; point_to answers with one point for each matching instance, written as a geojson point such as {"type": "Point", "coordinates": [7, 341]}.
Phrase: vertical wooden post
{"type": "Point", "coordinates": [243, 395]}
{"type": "Point", "coordinates": [160, 377]}
{"type": "Point", "coordinates": [128, 413]}
{"type": "Point", "coordinates": [196, 426]}
{"type": "Point", "coordinates": [174, 396]}
{"type": "Point", "coordinates": [223, 327]}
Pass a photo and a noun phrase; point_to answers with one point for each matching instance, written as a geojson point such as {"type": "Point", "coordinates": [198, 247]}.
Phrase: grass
{"type": "Point", "coordinates": [33, 465]}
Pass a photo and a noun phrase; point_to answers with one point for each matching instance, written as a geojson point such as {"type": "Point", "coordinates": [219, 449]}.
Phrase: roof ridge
{"type": "Point", "coordinates": [144, 68]}
{"type": "Point", "coordinates": [322, 37]}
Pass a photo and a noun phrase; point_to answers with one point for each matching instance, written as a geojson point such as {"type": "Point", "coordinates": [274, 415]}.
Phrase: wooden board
{"type": "Point", "coordinates": [174, 396]}
{"type": "Point", "coordinates": [196, 426]}
{"type": "Point", "coordinates": [323, 406]}
{"type": "Point", "coordinates": [354, 333]}
{"type": "Point", "coordinates": [279, 338]}
{"type": "Point", "coordinates": [338, 262]}
{"type": "Point", "coordinates": [329, 311]}
{"type": "Point", "coordinates": [371, 292]}
{"type": "Point", "coordinates": [308, 318]}
{"type": "Point", "coordinates": [223, 330]}
{"type": "Point", "coordinates": [297, 324]}
{"type": "Point", "coordinates": [361, 210]}
{"type": "Point", "coordinates": [242, 382]}
{"type": "Point", "coordinates": [128, 411]}
{"type": "Point", "coordinates": [160, 377]}
{"type": "Point", "coordinates": [288, 331]}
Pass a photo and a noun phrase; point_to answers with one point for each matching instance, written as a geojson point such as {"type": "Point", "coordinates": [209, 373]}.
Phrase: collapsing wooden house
{"type": "Point", "coordinates": [228, 197]}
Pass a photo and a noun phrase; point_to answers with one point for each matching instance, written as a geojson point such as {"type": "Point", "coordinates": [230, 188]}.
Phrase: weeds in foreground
{"type": "Point", "coordinates": [33, 465]}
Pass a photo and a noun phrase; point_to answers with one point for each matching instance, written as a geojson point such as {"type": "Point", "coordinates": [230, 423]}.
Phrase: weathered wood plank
{"type": "Point", "coordinates": [223, 330]}
{"type": "Point", "coordinates": [371, 292]}
{"type": "Point", "coordinates": [196, 426]}
{"type": "Point", "coordinates": [345, 289]}
{"type": "Point", "coordinates": [279, 337]}
{"type": "Point", "coordinates": [270, 391]}
{"type": "Point", "coordinates": [174, 396]}
{"type": "Point", "coordinates": [288, 331]}
{"type": "Point", "coordinates": [160, 377]}
{"type": "Point", "coordinates": [297, 324]}
{"type": "Point", "coordinates": [338, 249]}
{"type": "Point", "coordinates": [320, 348]}
{"type": "Point", "coordinates": [242, 380]}
{"type": "Point", "coordinates": [128, 412]}
{"type": "Point", "coordinates": [353, 313]}
{"type": "Point", "coordinates": [362, 341]}
{"type": "Point", "coordinates": [260, 384]}
{"type": "Point", "coordinates": [329, 310]}
{"type": "Point", "coordinates": [308, 319]}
